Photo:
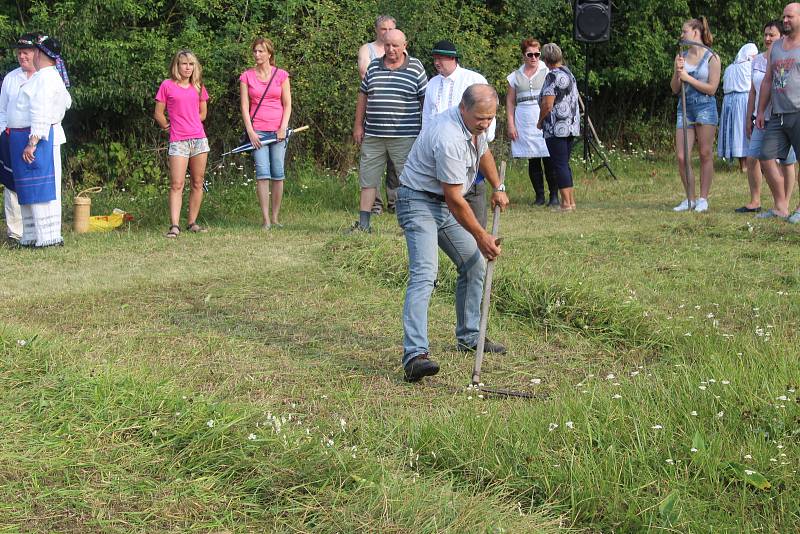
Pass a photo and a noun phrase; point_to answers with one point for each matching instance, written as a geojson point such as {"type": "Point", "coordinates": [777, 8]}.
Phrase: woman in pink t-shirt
{"type": "Point", "coordinates": [266, 105]}
{"type": "Point", "coordinates": [185, 100]}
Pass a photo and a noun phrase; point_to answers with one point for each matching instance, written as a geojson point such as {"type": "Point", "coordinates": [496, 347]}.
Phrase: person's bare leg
{"type": "Point", "coordinates": [681, 156]}
{"type": "Point", "coordinates": [367, 198]}
{"type": "Point", "coordinates": [742, 164]}
{"type": "Point", "coordinates": [177, 179]}
{"type": "Point", "coordinates": [262, 192]}
{"type": "Point", "coordinates": [775, 181]}
{"type": "Point", "coordinates": [789, 180]}
{"type": "Point", "coordinates": [754, 182]}
{"type": "Point", "coordinates": [705, 143]}
{"type": "Point", "coordinates": [197, 172]}
{"type": "Point", "coordinates": [276, 190]}
{"type": "Point", "coordinates": [567, 198]}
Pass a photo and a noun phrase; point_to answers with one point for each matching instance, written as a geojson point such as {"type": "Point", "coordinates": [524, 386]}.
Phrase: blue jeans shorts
{"type": "Point", "coordinates": [754, 148]}
{"type": "Point", "coordinates": [269, 160]}
{"type": "Point", "coordinates": [701, 109]}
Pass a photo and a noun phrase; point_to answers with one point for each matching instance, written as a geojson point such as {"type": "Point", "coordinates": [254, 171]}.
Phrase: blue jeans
{"type": "Point", "coordinates": [269, 160]}
{"type": "Point", "coordinates": [428, 223]}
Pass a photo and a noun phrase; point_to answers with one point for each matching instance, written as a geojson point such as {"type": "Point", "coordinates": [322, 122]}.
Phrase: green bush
{"type": "Point", "coordinates": [119, 51]}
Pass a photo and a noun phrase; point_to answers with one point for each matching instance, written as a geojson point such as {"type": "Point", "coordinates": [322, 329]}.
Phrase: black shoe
{"type": "Point", "coordinates": [745, 209]}
{"type": "Point", "coordinates": [420, 366]}
{"type": "Point", "coordinates": [554, 201]}
{"type": "Point", "coordinates": [539, 200]}
{"type": "Point", "coordinates": [357, 228]}
{"type": "Point", "coordinates": [488, 346]}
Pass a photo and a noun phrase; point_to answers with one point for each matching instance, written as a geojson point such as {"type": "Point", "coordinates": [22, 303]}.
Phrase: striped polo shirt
{"type": "Point", "coordinates": [393, 98]}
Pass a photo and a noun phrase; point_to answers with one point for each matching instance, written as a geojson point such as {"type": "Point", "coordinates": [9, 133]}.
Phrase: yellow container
{"type": "Point", "coordinates": [83, 208]}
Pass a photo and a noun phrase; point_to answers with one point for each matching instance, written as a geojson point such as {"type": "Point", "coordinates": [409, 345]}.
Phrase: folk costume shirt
{"type": "Point", "coordinates": [444, 92]}
{"type": "Point", "coordinates": [393, 107]}
{"type": "Point", "coordinates": [9, 93]}
{"type": "Point", "coordinates": [183, 108]}
{"type": "Point", "coordinates": [41, 103]}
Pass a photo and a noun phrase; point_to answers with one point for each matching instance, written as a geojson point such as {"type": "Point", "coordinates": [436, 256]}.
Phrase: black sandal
{"type": "Point", "coordinates": [195, 228]}
{"type": "Point", "coordinates": [173, 231]}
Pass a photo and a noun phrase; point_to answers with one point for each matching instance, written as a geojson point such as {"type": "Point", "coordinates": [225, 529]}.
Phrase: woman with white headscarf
{"type": "Point", "coordinates": [732, 142]}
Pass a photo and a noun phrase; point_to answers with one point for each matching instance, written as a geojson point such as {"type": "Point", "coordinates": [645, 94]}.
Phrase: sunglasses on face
{"type": "Point", "coordinates": [533, 54]}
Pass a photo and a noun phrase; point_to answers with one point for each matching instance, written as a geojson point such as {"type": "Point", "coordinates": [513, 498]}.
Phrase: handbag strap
{"type": "Point", "coordinates": [263, 95]}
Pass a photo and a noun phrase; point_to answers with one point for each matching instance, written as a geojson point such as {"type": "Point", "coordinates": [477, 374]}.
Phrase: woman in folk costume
{"type": "Point", "coordinates": [35, 139]}
{"type": "Point", "coordinates": [522, 107]}
{"type": "Point", "coordinates": [731, 140]}
{"type": "Point", "coordinates": [25, 50]}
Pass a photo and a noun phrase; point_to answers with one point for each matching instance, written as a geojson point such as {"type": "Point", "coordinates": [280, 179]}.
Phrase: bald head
{"type": "Point", "coordinates": [479, 93]}
{"type": "Point", "coordinates": [395, 36]}
{"type": "Point", "coordinates": [394, 46]}
{"type": "Point", "coordinates": [791, 19]}
{"type": "Point", "coordinates": [478, 107]}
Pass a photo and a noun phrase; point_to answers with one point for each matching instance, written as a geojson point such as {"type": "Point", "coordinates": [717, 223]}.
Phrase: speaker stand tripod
{"type": "Point", "coordinates": [591, 143]}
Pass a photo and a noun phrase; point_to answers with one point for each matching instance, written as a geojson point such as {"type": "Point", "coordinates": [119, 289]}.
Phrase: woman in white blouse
{"type": "Point", "coordinates": [35, 143]}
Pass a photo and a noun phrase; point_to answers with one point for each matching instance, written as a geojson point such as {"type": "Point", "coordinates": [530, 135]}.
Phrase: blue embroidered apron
{"type": "Point", "coordinates": [6, 173]}
{"type": "Point", "coordinates": [35, 182]}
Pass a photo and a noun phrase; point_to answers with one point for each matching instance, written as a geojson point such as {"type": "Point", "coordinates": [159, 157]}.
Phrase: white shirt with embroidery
{"type": "Point", "coordinates": [9, 93]}
{"type": "Point", "coordinates": [444, 92]}
{"type": "Point", "coordinates": [42, 102]}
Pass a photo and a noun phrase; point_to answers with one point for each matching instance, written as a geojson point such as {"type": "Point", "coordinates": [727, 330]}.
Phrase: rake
{"type": "Point", "coordinates": [487, 293]}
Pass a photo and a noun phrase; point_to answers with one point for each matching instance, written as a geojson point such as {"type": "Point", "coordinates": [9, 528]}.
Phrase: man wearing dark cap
{"type": "Point", "coordinates": [35, 139]}
{"type": "Point", "coordinates": [14, 80]}
{"type": "Point", "coordinates": [443, 92]}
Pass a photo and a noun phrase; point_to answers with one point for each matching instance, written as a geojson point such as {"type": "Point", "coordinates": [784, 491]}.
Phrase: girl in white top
{"type": "Point", "coordinates": [522, 109]}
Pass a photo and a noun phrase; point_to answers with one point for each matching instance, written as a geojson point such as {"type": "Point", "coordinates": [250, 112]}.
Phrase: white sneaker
{"type": "Point", "coordinates": [701, 205]}
{"type": "Point", "coordinates": [685, 205]}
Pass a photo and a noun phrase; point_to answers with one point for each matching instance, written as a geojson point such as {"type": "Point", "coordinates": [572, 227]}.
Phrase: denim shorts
{"type": "Point", "coordinates": [754, 148]}
{"type": "Point", "coordinates": [701, 109]}
{"type": "Point", "coordinates": [189, 148]}
{"type": "Point", "coordinates": [269, 159]}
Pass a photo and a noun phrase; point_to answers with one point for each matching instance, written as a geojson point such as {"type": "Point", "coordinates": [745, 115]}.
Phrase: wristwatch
{"type": "Point", "coordinates": [500, 188]}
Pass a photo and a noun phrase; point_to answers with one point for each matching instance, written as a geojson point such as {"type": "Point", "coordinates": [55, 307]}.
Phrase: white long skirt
{"type": "Point", "coordinates": [530, 141]}
{"type": "Point", "coordinates": [41, 222]}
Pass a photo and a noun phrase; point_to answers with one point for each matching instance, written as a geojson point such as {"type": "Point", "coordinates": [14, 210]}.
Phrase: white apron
{"type": "Point", "coordinates": [530, 142]}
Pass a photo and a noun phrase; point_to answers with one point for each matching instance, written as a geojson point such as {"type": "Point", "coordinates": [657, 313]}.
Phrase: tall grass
{"type": "Point", "coordinates": [661, 347]}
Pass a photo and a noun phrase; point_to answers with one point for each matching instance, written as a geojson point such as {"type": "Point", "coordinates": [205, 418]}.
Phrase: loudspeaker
{"type": "Point", "coordinates": [592, 20]}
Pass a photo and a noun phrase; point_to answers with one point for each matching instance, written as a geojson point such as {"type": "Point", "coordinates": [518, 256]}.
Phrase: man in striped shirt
{"type": "Point", "coordinates": [388, 117]}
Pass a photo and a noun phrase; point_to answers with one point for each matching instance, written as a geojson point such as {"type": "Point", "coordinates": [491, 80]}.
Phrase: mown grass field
{"type": "Point", "coordinates": [243, 381]}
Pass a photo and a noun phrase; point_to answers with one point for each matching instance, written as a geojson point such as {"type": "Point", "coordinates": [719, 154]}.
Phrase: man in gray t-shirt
{"type": "Point", "coordinates": [431, 209]}
{"type": "Point", "coordinates": [781, 88]}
